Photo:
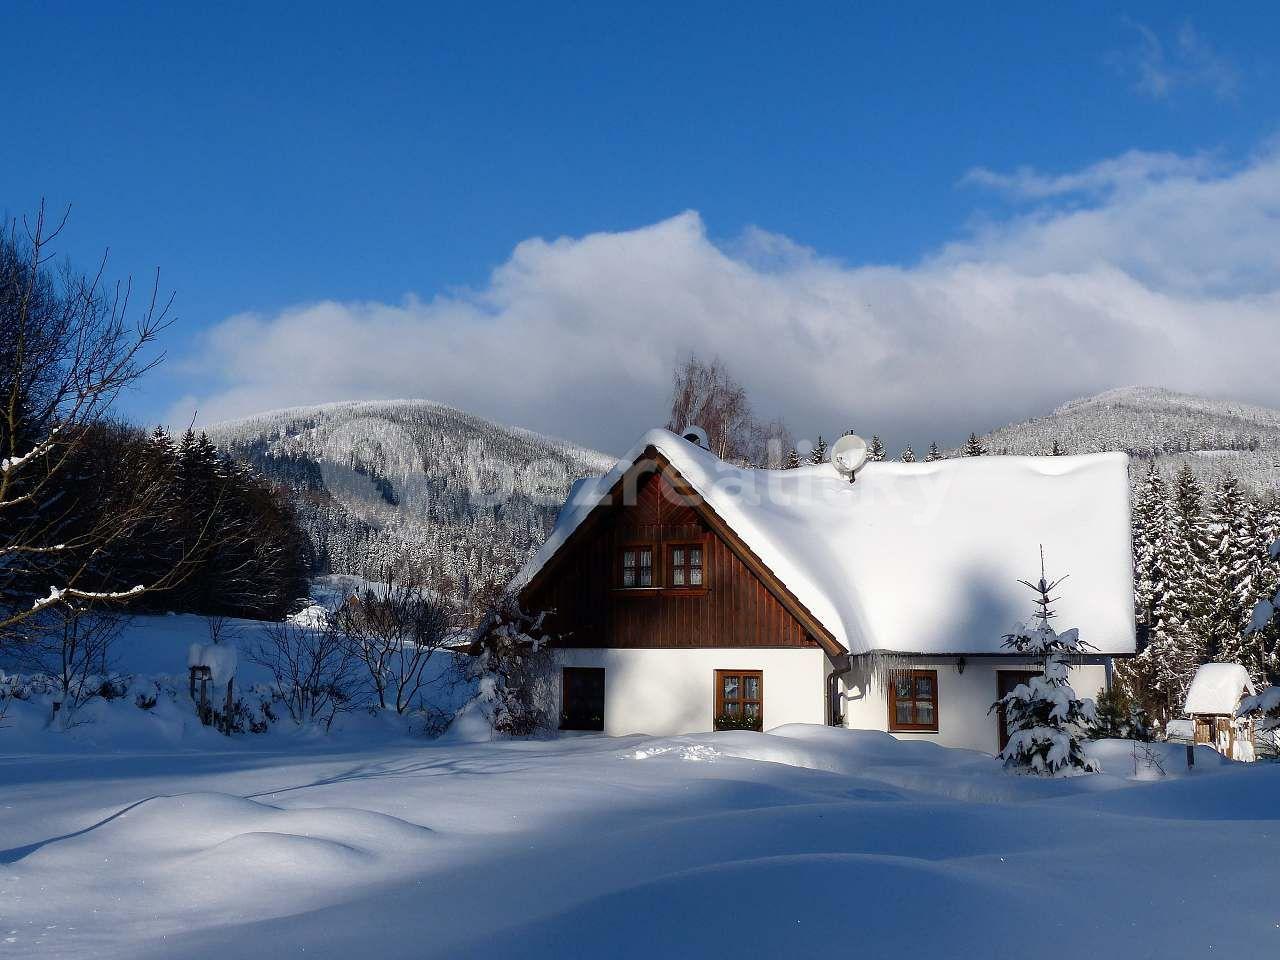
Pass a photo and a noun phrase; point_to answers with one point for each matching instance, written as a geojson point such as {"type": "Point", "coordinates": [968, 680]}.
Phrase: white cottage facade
{"type": "Point", "coordinates": [692, 594]}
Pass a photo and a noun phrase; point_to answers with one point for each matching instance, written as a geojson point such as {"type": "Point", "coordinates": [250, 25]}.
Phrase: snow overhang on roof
{"type": "Point", "coordinates": [1217, 689]}
{"type": "Point", "coordinates": [918, 558]}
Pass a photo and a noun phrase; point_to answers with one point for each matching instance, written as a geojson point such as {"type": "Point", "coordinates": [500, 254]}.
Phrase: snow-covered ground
{"type": "Point", "coordinates": [799, 842]}
{"type": "Point", "coordinates": [138, 833]}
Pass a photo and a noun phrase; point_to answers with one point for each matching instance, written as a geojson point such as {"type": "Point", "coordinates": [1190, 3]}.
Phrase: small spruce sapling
{"type": "Point", "coordinates": [974, 447]}
{"type": "Point", "coordinates": [908, 455]}
{"type": "Point", "coordinates": [875, 450]}
{"type": "Point", "coordinates": [933, 454]}
{"type": "Point", "coordinates": [819, 453]}
{"type": "Point", "coordinates": [1045, 718]}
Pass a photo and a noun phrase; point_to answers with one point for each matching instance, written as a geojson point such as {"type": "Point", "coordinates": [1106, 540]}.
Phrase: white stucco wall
{"type": "Point", "coordinates": [963, 699]}
{"type": "Point", "coordinates": [669, 692]}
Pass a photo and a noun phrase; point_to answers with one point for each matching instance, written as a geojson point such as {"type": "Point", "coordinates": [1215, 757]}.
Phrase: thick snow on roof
{"type": "Point", "coordinates": [1217, 688]}
{"type": "Point", "coordinates": [919, 557]}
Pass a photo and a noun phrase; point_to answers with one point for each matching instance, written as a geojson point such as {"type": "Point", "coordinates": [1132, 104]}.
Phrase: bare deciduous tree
{"type": "Point", "coordinates": [706, 395]}
{"type": "Point", "coordinates": [67, 350]}
{"type": "Point", "coordinates": [394, 629]}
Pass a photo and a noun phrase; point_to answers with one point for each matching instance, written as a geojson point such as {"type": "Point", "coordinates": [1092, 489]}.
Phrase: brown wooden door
{"type": "Point", "coordinates": [739, 700]}
{"type": "Point", "coordinates": [1006, 680]}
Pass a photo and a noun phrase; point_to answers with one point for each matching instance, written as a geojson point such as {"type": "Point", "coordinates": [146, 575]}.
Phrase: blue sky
{"type": "Point", "coordinates": [271, 158]}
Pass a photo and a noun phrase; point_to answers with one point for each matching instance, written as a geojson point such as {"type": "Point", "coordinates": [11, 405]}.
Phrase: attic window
{"type": "Point", "coordinates": [636, 567]}
{"type": "Point", "coordinates": [686, 565]}
{"type": "Point", "coordinates": [913, 700]}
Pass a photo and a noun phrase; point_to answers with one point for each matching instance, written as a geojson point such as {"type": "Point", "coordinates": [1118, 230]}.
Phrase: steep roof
{"type": "Point", "coordinates": [1217, 688]}
{"type": "Point", "coordinates": [916, 557]}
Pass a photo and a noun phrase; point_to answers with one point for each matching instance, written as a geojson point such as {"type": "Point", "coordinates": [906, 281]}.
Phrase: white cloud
{"type": "Point", "coordinates": [1134, 169]}
{"type": "Point", "coordinates": [1164, 271]}
{"type": "Point", "coordinates": [1158, 69]}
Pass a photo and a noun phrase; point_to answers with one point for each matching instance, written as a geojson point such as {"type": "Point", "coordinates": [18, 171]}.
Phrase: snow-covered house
{"type": "Point", "coordinates": [694, 594]}
{"type": "Point", "coordinates": [1213, 700]}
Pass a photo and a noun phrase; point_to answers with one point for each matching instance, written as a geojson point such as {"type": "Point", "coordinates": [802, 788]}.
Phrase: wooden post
{"type": "Point", "coordinates": [226, 710]}
{"type": "Point", "coordinates": [1191, 755]}
{"type": "Point", "coordinates": [204, 697]}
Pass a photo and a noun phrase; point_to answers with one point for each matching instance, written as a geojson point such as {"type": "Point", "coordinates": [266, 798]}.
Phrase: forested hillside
{"type": "Point", "coordinates": [1211, 437]}
{"type": "Point", "coordinates": [427, 489]}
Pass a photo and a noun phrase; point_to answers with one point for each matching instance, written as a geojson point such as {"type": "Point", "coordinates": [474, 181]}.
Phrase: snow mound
{"type": "Point", "coordinates": [220, 832]}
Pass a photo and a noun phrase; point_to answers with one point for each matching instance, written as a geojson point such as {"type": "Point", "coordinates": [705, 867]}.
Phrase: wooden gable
{"type": "Point", "coordinates": [740, 603]}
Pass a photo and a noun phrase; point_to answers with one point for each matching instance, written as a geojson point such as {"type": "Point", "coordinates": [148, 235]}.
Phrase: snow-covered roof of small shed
{"type": "Point", "coordinates": [917, 557]}
{"type": "Point", "coordinates": [1217, 689]}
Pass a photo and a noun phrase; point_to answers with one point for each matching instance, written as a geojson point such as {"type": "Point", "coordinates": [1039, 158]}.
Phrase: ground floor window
{"type": "Point", "coordinates": [913, 700]}
{"type": "Point", "coordinates": [582, 698]}
{"type": "Point", "coordinates": [739, 700]}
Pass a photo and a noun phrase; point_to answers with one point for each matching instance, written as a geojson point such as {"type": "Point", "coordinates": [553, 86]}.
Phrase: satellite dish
{"type": "Point", "coordinates": [695, 434]}
{"type": "Point", "coordinates": [848, 454]}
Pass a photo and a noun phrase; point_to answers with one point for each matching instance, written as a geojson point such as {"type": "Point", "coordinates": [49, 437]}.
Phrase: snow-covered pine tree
{"type": "Point", "coordinates": [908, 455]}
{"type": "Point", "coordinates": [1255, 580]}
{"type": "Point", "coordinates": [793, 459]}
{"type": "Point", "coordinates": [875, 450]}
{"type": "Point", "coordinates": [1047, 722]}
{"type": "Point", "coordinates": [1170, 651]}
{"type": "Point", "coordinates": [974, 447]}
{"type": "Point", "coordinates": [819, 454]}
{"type": "Point", "coordinates": [1057, 450]}
{"type": "Point", "coordinates": [933, 454]}
{"type": "Point", "coordinates": [1232, 545]}
{"type": "Point", "coordinates": [1264, 626]}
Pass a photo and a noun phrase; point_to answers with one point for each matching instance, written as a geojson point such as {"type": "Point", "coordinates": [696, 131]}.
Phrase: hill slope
{"type": "Point", "coordinates": [1213, 436]}
{"type": "Point", "coordinates": [413, 483]}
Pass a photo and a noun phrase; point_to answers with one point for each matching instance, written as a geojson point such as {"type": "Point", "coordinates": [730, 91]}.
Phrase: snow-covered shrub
{"type": "Point", "coordinates": [1045, 719]}
{"type": "Point", "coordinates": [313, 671]}
{"type": "Point", "coordinates": [515, 670]}
{"type": "Point", "coordinates": [70, 649]}
{"type": "Point", "coordinates": [394, 628]}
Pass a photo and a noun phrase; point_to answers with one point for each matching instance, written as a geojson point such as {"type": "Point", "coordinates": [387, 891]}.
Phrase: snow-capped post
{"type": "Point", "coordinates": [213, 665]}
{"type": "Point", "coordinates": [1045, 719]}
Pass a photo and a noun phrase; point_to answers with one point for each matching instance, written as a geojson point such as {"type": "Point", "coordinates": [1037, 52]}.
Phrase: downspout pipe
{"type": "Point", "coordinates": [840, 665]}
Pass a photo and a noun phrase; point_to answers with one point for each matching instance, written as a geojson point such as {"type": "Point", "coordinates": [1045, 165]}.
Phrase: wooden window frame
{"type": "Point", "coordinates": [892, 697]}
{"type": "Point", "coordinates": [719, 698]}
{"type": "Point", "coordinates": [669, 567]}
{"type": "Point", "coordinates": [655, 583]}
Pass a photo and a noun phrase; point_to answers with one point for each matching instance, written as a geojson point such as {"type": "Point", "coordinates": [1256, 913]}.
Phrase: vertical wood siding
{"type": "Point", "coordinates": [735, 609]}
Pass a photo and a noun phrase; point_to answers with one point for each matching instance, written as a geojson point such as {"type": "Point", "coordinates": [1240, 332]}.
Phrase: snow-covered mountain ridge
{"type": "Point", "coordinates": [413, 483]}
{"type": "Point", "coordinates": [1213, 436]}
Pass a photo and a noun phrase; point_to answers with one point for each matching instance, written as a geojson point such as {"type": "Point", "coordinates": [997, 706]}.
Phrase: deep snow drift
{"type": "Point", "coordinates": [798, 842]}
